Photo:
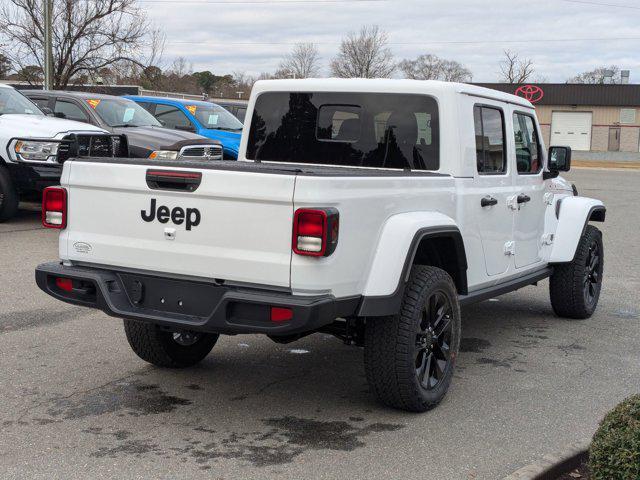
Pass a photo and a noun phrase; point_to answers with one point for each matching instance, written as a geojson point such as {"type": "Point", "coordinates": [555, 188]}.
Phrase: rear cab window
{"type": "Point", "coordinates": [490, 140]}
{"type": "Point", "coordinates": [376, 130]}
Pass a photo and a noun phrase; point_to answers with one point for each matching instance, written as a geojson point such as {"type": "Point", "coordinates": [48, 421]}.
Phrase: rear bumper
{"type": "Point", "coordinates": [190, 304]}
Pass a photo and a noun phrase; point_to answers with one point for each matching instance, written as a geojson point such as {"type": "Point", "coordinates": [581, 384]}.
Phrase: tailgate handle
{"type": "Point", "coordinates": [173, 180]}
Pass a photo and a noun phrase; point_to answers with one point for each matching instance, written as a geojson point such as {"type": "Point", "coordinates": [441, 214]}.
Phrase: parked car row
{"type": "Point", "coordinates": [34, 145]}
{"type": "Point", "coordinates": [204, 118]}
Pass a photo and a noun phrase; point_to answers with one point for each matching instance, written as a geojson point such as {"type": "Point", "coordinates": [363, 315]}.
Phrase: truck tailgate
{"type": "Point", "coordinates": [236, 226]}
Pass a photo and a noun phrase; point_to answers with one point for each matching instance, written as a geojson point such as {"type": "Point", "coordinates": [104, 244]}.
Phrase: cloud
{"type": "Point", "coordinates": [563, 38]}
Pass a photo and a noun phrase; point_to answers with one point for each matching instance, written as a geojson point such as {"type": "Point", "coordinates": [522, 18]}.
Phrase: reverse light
{"type": "Point", "coordinates": [315, 231]}
{"type": "Point", "coordinates": [164, 155]}
{"type": "Point", "coordinates": [54, 207]}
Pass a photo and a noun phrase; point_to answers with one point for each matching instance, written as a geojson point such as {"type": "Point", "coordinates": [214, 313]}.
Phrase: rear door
{"type": "Point", "coordinates": [235, 226]}
{"type": "Point", "coordinates": [493, 187]}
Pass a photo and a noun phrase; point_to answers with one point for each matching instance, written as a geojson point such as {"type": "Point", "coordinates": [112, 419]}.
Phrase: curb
{"type": "Point", "coordinates": [552, 465]}
{"type": "Point", "coordinates": [605, 164]}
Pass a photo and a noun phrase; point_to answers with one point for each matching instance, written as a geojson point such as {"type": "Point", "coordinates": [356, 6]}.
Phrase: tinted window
{"type": "Point", "coordinates": [490, 151]}
{"type": "Point", "coordinates": [70, 111]}
{"type": "Point", "coordinates": [528, 153]}
{"type": "Point", "coordinates": [39, 101]}
{"type": "Point", "coordinates": [351, 129]}
{"type": "Point", "coordinates": [172, 117]}
{"type": "Point", "coordinates": [241, 113]}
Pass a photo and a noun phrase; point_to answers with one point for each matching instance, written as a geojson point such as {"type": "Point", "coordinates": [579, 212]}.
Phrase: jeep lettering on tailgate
{"type": "Point", "coordinates": [190, 217]}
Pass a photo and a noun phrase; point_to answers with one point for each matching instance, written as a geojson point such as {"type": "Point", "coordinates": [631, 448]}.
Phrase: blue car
{"type": "Point", "coordinates": [204, 118]}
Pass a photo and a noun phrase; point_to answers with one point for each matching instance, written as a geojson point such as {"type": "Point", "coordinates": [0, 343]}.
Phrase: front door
{"type": "Point", "coordinates": [528, 202]}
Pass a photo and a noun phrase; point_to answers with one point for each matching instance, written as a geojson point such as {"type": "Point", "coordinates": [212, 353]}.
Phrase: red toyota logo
{"type": "Point", "coordinates": [533, 93]}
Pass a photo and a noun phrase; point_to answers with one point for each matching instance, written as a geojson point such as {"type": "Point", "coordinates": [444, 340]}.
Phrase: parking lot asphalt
{"type": "Point", "coordinates": [76, 403]}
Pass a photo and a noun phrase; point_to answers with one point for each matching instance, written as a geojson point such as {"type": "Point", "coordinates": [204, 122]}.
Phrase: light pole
{"type": "Point", "coordinates": [48, 50]}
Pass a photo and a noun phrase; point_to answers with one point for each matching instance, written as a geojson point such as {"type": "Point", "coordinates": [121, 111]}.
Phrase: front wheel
{"type": "Point", "coordinates": [575, 287]}
{"type": "Point", "coordinates": [168, 349]}
{"type": "Point", "coordinates": [410, 357]}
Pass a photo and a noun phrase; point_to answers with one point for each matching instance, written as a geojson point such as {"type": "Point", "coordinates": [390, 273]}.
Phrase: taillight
{"type": "Point", "coordinates": [54, 207]}
{"type": "Point", "coordinates": [315, 231]}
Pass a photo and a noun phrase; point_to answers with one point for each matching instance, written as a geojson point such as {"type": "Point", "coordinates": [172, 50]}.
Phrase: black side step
{"type": "Point", "coordinates": [506, 287]}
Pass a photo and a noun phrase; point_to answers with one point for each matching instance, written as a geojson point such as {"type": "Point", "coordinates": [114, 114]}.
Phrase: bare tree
{"type": "Point", "coordinates": [432, 67]}
{"type": "Point", "coordinates": [599, 75]}
{"type": "Point", "coordinates": [364, 55]}
{"type": "Point", "coordinates": [88, 35]}
{"type": "Point", "coordinates": [515, 70]}
{"type": "Point", "coordinates": [302, 62]}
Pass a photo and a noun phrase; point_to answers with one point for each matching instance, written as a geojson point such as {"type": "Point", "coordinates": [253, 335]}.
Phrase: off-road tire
{"type": "Point", "coordinates": [568, 283]}
{"type": "Point", "coordinates": [157, 346]}
{"type": "Point", "coordinates": [8, 196]}
{"type": "Point", "coordinates": [391, 343]}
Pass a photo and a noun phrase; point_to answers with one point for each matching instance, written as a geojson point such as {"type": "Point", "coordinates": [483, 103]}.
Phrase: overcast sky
{"type": "Point", "coordinates": [562, 37]}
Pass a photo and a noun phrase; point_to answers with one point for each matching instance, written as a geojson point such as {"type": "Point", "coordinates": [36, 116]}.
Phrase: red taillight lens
{"type": "Point", "coordinates": [315, 232]}
{"type": "Point", "coordinates": [54, 207]}
{"type": "Point", "coordinates": [279, 314]}
{"type": "Point", "coordinates": [64, 284]}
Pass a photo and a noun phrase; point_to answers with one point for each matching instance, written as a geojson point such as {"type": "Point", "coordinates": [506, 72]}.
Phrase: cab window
{"type": "Point", "coordinates": [172, 117]}
{"type": "Point", "coordinates": [70, 111]}
{"type": "Point", "coordinates": [490, 150]}
{"type": "Point", "coordinates": [528, 151]}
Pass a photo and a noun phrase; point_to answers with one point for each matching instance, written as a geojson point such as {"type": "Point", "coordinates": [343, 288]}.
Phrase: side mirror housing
{"type": "Point", "coordinates": [559, 161]}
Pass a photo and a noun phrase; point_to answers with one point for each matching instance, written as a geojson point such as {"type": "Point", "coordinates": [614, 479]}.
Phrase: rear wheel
{"type": "Point", "coordinates": [8, 196]}
{"type": "Point", "coordinates": [410, 357]}
{"type": "Point", "coordinates": [165, 348]}
{"type": "Point", "coordinates": [575, 287]}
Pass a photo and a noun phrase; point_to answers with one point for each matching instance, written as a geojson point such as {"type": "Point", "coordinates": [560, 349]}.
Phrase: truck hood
{"type": "Point", "coordinates": [40, 126]}
{"type": "Point", "coordinates": [159, 138]}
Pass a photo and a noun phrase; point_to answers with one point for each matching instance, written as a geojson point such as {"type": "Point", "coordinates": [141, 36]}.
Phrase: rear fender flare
{"type": "Point", "coordinates": [574, 214]}
{"type": "Point", "coordinates": [394, 255]}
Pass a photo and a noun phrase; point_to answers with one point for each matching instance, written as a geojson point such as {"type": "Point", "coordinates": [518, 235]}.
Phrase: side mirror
{"type": "Point", "coordinates": [559, 161]}
{"type": "Point", "coordinates": [59, 115]}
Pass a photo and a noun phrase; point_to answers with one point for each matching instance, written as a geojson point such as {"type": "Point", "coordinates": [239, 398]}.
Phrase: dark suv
{"type": "Point", "coordinates": [146, 136]}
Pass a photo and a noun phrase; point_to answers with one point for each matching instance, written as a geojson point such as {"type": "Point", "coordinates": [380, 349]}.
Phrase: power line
{"type": "Point", "coordinates": [601, 4]}
{"type": "Point", "coordinates": [261, 2]}
{"type": "Point", "coordinates": [436, 42]}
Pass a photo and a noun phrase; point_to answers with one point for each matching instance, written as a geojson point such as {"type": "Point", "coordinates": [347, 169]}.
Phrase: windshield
{"type": "Point", "coordinates": [378, 130]}
{"type": "Point", "coordinates": [12, 101]}
{"type": "Point", "coordinates": [120, 112]}
{"type": "Point", "coordinates": [215, 117]}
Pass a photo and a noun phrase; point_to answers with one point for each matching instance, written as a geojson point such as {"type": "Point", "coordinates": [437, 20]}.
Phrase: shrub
{"type": "Point", "coordinates": [615, 451]}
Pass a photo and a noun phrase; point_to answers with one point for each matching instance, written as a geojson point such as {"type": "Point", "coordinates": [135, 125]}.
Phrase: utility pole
{"type": "Point", "coordinates": [48, 49]}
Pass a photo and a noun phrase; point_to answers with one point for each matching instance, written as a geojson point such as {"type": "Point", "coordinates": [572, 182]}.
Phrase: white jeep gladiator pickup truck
{"type": "Point", "coordinates": [367, 209]}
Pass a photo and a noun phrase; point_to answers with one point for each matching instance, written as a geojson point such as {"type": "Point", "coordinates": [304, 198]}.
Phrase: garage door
{"type": "Point", "coordinates": [571, 129]}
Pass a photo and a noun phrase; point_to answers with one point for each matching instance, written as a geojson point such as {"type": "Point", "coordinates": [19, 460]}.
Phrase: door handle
{"type": "Point", "coordinates": [488, 201]}
{"type": "Point", "coordinates": [522, 198]}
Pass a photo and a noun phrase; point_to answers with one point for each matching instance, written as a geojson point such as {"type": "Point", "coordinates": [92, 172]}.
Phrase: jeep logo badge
{"type": "Point", "coordinates": [190, 216]}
